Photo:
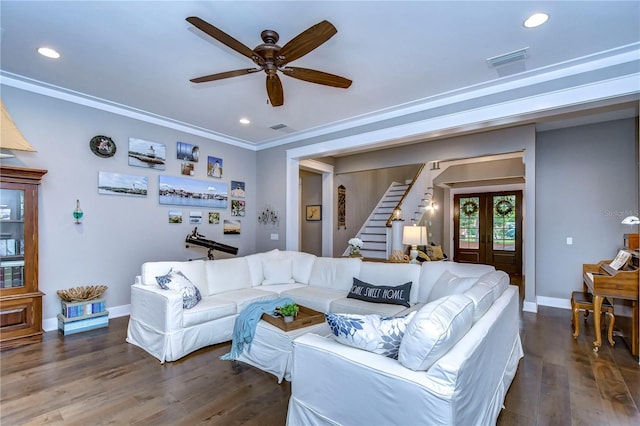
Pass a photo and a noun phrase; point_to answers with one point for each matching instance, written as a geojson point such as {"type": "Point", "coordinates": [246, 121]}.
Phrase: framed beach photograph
{"type": "Point", "coordinates": [195, 218]}
{"type": "Point", "coordinates": [231, 227]}
{"type": "Point", "coordinates": [151, 155]}
{"type": "Point", "coordinates": [237, 207]}
{"type": "Point", "coordinates": [314, 213]}
{"type": "Point", "coordinates": [120, 184]}
{"type": "Point", "coordinates": [183, 191]}
{"type": "Point", "coordinates": [175, 216]}
{"type": "Point", "coordinates": [187, 169]}
{"type": "Point", "coordinates": [214, 218]}
{"type": "Point", "coordinates": [214, 167]}
{"type": "Point", "coordinates": [237, 189]}
{"type": "Point", "coordinates": [187, 152]}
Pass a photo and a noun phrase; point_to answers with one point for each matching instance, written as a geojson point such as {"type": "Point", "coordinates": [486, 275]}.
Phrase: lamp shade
{"type": "Point", "coordinates": [631, 220]}
{"type": "Point", "coordinates": [414, 235]}
{"type": "Point", "coordinates": [10, 136]}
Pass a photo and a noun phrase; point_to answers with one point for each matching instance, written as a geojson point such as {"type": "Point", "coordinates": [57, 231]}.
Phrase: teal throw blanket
{"type": "Point", "coordinates": [246, 322]}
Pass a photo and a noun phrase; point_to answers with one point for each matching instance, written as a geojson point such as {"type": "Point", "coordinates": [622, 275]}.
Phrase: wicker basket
{"type": "Point", "coordinates": [82, 293]}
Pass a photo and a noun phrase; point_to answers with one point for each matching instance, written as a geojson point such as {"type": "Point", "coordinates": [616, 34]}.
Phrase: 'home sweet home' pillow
{"type": "Point", "coordinates": [373, 333]}
{"type": "Point", "coordinates": [178, 282]}
{"type": "Point", "coordinates": [398, 295]}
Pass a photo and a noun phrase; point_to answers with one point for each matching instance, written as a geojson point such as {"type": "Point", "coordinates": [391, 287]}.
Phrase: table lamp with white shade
{"type": "Point", "coordinates": [414, 236]}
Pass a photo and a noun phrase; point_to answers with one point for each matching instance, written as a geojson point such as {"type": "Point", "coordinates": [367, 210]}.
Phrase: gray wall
{"type": "Point", "coordinates": [586, 183]}
{"type": "Point", "coordinates": [118, 233]}
{"type": "Point", "coordinates": [310, 231]}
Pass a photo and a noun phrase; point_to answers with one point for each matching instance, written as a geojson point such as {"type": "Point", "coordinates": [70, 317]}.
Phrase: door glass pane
{"type": "Point", "coordinates": [469, 223]}
{"type": "Point", "coordinates": [11, 238]}
{"type": "Point", "coordinates": [504, 222]}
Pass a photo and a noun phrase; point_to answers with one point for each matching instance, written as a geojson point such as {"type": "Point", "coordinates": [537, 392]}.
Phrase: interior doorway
{"type": "Point", "coordinates": [488, 229]}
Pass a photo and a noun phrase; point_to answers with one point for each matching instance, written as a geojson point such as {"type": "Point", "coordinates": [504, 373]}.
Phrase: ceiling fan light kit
{"type": "Point", "coordinates": [271, 58]}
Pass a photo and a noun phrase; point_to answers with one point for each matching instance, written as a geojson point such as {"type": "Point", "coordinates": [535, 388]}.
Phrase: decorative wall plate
{"type": "Point", "coordinates": [102, 146]}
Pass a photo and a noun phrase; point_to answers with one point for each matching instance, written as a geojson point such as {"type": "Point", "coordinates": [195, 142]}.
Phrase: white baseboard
{"type": "Point", "coordinates": [51, 324]}
{"type": "Point", "coordinates": [554, 302]}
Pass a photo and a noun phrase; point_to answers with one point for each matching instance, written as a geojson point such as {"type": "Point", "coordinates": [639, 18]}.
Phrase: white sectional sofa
{"type": "Point", "coordinates": [465, 383]}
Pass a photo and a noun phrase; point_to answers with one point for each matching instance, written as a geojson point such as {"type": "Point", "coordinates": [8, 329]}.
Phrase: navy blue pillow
{"type": "Point", "coordinates": [398, 295]}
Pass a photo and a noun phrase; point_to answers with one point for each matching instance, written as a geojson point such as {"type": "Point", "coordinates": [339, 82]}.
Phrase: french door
{"type": "Point", "coordinates": [488, 229]}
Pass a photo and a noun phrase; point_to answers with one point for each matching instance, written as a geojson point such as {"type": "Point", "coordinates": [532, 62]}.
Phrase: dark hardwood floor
{"type": "Point", "coordinates": [96, 378]}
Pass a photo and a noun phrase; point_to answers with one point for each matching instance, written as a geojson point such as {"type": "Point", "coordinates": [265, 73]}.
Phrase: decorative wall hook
{"type": "Point", "coordinates": [268, 216]}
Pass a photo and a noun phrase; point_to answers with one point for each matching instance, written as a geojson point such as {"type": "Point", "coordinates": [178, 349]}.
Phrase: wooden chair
{"type": "Point", "coordinates": [581, 300]}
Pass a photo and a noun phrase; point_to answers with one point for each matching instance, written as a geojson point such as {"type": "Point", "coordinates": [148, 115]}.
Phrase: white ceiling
{"type": "Point", "coordinates": [140, 55]}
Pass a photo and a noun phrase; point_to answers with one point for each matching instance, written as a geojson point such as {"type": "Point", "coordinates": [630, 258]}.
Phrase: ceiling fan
{"type": "Point", "coordinates": [271, 58]}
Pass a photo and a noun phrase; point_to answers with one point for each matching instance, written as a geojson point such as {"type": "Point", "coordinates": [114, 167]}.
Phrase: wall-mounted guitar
{"type": "Point", "coordinates": [271, 58]}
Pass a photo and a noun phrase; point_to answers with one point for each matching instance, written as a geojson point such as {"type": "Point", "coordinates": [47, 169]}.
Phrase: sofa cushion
{"type": "Point", "coordinates": [316, 298]}
{"type": "Point", "coordinates": [435, 329]}
{"type": "Point", "coordinates": [395, 295]}
{"type": "Point", "coordinates": [431, 271]}
{"type": "Point", "coordinates": [254, 262]}
{"type": "Point", "coordinates": [301, 263]}
{"type": "Point", "coordinates": [482, 297]}
{"type": "Point", "coordinates": [497, 280]}
{"type": "Point", "coordinates": [391, 274]}
{"type": "Point", "coordinates": [449, 284]}
{"type": "Point", "coordinates": [334, 273]}
{"type": "Point", "coordinates": [355, 306]}
{"type": "Point", "coordinates": [246, 296]}
{"type": "Point", "coordinates": [227, 274]}
{"type": "Point", "coordinates": [194, 270]}
{"type": "Point", "coordinates": [277, 271]}
{"type": "Point", "coordinates": [209, 309]}
{"type": "Point", "coordinates": [373, 333]}
{"type": "Point", "coordinates": [177, 282]}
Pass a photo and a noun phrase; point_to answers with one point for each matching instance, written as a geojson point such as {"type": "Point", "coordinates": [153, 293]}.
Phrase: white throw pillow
{"type": "Point", "coordinates": [434, 330]}
{"type": "Point", "coordinates": [277, 271]}
{"type": "Point", "coordinates": [373, 333]}
{"type": "Point", "coordinates": [449, 284]}
{"type": "Point", "coordinates": [176, 281]}
{"type": "Point", "coordinates": [482, 297]}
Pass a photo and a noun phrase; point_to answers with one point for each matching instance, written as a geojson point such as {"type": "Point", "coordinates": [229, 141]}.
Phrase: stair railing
{"type": "Point", "coordinates": [412, 197]}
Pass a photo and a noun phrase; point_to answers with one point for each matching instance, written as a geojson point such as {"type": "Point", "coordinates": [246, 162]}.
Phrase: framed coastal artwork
{"type": "Point", "coordinates": [214, 218]}
{"type": "Point", "coordinates": [183, 191]}
{"type": "Point", "coordinates": [237, 189]}
{"type": "Point", "coordinates": [120, 184]}
{"type": "Point", "coordinates": [237, 207]}
{"type": "Point", "coordinates": [175, 216]}
{"type": "Point", "coordinates": [187, 152]}
{"type": "Point", "coordinates": [231, 227]}
{"type": "Point", "coordinates": [147, 154]}
{"type": "Point", "coordinates": [214, 167]}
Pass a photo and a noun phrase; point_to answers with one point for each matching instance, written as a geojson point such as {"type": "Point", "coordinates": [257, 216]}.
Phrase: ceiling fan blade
{"type": "Point", "coordinates": [274, 90]}
{"type": "Point", "coordinates": [318, 77]}
{"type": "Point", "coordinates": [221, 36]}
{"type": "Point", "coordinates": [221, 75]}
{"type": "Point", "coordinates": [306, 41]}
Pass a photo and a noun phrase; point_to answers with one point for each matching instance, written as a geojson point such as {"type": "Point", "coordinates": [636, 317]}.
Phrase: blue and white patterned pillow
{"type": "Point", "coordinates": [373, 333]}
{"type": "Point", "coordinates": [178, 282]}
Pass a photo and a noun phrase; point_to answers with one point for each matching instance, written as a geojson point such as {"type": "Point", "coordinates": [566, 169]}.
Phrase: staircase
{"type": "Point", "coordinates": [374, 233]}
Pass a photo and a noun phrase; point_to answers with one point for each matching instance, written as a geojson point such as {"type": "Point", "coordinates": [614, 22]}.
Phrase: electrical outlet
{"type": "Point", "coordinates": [274, 237]}
{"type": "Point", "coordinates": [569, 241]}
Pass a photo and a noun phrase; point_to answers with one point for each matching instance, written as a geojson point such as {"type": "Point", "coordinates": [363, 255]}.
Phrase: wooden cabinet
{"type": "Point", "coordinates": [20, 298]}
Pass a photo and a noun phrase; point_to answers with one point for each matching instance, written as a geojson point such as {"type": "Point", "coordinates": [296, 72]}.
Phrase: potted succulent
{"type": "Point", "coordinates": [288, 311]}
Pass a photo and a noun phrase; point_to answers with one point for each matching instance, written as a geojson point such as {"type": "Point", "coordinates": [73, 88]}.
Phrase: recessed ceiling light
{"type": "Point", "coordinates": [245, 121]}
{"type": "Point", "coordinates": [48, 52]}
{"type": "Point", "coordinates": [536, 20]}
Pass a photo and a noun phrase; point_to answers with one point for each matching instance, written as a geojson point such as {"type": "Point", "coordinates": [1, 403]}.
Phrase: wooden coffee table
{"type": "Point", "coordinates": [272, 343]}
{"type": "Point", "coordinates": [306, 317]}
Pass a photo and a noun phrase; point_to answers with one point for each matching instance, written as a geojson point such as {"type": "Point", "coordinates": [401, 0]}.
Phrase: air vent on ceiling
{"type": "Point", "coordinates": [516, 55]}
{"type": "Point", "coordinates": [278, 126]}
